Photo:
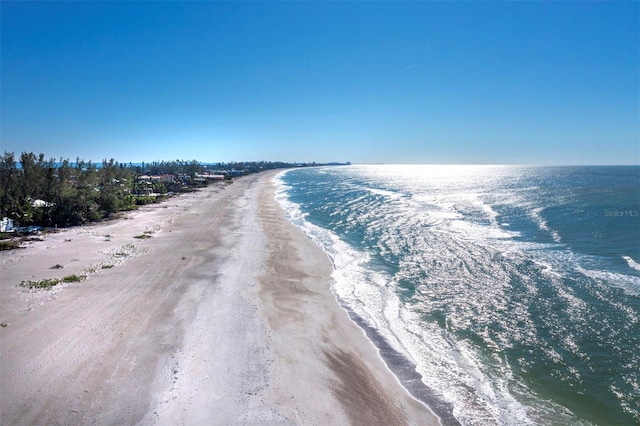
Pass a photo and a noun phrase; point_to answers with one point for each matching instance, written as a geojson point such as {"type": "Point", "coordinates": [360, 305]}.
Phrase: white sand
{"type": "Point", "coordinates": [223, 316]}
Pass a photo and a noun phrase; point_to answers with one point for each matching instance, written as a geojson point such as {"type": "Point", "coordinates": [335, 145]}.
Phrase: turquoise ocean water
{"type": "Point", "coordinates": [497, 294]}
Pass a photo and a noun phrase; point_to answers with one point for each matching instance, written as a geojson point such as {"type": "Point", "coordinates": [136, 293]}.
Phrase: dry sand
{"type": "Point", "coordinates": [223, 316]}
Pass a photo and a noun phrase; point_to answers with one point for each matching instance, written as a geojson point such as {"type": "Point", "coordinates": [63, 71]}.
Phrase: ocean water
{"type": "Point", "coordinates": [497, 294]}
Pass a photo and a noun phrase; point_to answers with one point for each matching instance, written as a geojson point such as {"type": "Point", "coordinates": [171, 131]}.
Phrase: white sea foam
{"type": "Point", "coordinates": [456, 251]}
{"type": "Point", "coordinates": [444, 365]}
{"type": "Point", "coordinates": [384, 193]}
{"type": "Point", "coordinates": [629, 283]}
{"type": "Point", "coordinates": [477, 232]}
{"type": "Point", "coordinates": [632, 263]}
{"type": "Point", "coordinates": [536, 215]}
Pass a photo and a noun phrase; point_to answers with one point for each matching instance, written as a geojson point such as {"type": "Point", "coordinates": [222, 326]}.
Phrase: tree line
{"type": "Point", "coordinates": [35, 190]}
{"type": "Point", "coordinates": [40, 191]}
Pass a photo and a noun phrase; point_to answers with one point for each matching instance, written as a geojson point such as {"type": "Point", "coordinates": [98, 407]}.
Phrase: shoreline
{"type": "Point", "coordinates": [397, 364]}
{"type": "Point", "coordinates": [224, 315]}
{"type": "Point", "coordinates": [361, 362]}
{"type": "Point", "coordinates": [406, 374]}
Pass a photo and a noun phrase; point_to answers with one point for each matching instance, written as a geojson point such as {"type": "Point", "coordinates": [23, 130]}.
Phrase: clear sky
{"type": "Point", "coordinates": [394, 82]}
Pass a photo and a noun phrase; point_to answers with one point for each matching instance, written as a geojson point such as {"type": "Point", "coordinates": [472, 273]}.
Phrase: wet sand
{"type": "Point", "coordinates": [223, 316]}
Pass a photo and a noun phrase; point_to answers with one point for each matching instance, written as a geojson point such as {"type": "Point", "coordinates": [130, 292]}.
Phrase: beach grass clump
{"type": "Point", "coordinates": [107, 266]}
{"type": "Point", "coordinates": [125, 251]}
{"type": "Point", "coordinates": [142, 236]}
{"type": "Point", "coordinates": [9, 245]}
{"type": "Point", "coordinates": [47, 283]}
{"type": "Point", "coordinates": [73, 278]}
{"type": "Point", "coordinates": [42, 284]}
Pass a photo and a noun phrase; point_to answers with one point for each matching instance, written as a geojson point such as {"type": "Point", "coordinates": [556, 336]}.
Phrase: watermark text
{"type": "Point", "coordinates": [621, 213]}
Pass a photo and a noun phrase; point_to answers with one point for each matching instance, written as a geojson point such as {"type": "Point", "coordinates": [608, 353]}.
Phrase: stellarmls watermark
{"type": "Point", "coordinates": [621, 213]}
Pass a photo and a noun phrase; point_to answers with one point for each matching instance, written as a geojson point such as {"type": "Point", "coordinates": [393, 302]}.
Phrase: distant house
{"type": "Point", "coordinates": [6, 224]}
{"type": "Point", "coordinates": [42, 203]}
{"type": "Point", "coordinates": [209, 176]}
{"type": "Point", "coordinates": [145, 191]}
{"type": "Point", "coordinates": [143, 188]}
{"type": "Point", "coordinates": [166, 178]}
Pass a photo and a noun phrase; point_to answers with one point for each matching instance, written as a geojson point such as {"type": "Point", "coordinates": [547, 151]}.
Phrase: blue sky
{"type": "Point", "coordinates": [367, 82]}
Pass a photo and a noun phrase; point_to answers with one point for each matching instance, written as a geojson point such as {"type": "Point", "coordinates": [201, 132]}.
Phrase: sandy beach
{"type": "Point", "coordinates": [223, 315]}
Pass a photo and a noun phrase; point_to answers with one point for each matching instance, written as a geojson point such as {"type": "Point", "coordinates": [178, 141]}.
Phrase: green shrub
{"type": "Point", "coordinates": [9, 245]}
{"type": "Point", "coordinates": [73, 278]}
{"type": "Point", "coordinates": [46, 283]}
{"type": "Point", "coordinates": [50, 282]}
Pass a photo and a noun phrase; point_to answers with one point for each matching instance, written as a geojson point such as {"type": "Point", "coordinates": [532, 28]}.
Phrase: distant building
{"type": "Point", "coordinates": [209, 176]}
{"type": "Point", "coordinates": [42, 203]}
{"type": "Point", "coordinates": [6, 224]}
{"type": "Point", "coordinates": [166, 178]}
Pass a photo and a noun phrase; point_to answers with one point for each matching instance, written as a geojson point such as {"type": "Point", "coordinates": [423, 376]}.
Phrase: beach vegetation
{"type": "Point", "coordinates": [47, 283]}
{"type": "Point", "coordinates": [42, 284]}
{"type": "Point", "coordinates": [45, 192]}
{"type": "Point", "coordinates": [125, 251]}
{"type": "Point", "coordinates": [73, 278]}
{"type": "Point", "coordinates": [9, 245]}
{"type": "Point", "coordinates": [53, 193]}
